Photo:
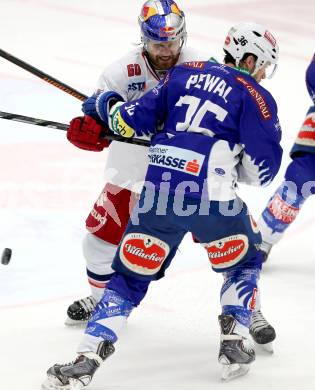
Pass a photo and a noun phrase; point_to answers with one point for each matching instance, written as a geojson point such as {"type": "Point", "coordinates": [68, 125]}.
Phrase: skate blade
{"type": "Point", "coordinates": [53, 383]}
{"type": "Point", "coordinates": [232, 371]}
{"type": "Point", "coordinates": [75, 323]}
{"type": "Point", "coordinates": [265, 347]}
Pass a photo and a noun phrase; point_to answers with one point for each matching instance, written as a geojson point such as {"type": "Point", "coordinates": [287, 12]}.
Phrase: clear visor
{"type": "Point", "coordinates": [271, 70]}
{"type": "Point", "coordinates": [267, 70]}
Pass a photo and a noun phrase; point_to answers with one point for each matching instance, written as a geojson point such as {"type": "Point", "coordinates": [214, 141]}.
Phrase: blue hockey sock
{"type": "Point", "coordinates": [238, 294]}
{"type": "Point", "coordinates": [109, 316]}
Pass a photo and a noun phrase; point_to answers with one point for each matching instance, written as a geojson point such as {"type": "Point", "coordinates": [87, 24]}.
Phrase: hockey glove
{"type": "Point", "coordinates": [84, 132]}
{"type": "Point", "coordinates": [98, 105]}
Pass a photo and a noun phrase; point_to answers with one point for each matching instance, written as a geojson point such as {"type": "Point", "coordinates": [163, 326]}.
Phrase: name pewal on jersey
{"type": "Point", "coordinates": [218, 124]}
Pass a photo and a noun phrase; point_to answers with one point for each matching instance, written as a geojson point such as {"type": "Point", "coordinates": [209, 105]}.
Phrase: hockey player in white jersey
{"type": "Point", "coordinates": [163, 35]}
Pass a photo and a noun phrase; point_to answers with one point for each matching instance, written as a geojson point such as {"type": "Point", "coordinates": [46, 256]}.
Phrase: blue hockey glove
{"type": "Point", "coordinates": [98, 105]}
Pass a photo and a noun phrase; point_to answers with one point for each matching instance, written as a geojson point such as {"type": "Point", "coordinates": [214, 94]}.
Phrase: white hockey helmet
{"type": "Point", "coordinates": [162, 21]}
{"type": "Point", "coordinates": [252, 38]}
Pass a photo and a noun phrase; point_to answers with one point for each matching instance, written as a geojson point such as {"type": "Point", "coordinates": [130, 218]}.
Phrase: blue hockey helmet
{"type": "Point", "coordinates": [162, 21]}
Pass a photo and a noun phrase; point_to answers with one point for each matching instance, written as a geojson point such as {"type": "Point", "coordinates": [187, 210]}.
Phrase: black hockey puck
{"type": "Point", "coordinates": [6, 256]}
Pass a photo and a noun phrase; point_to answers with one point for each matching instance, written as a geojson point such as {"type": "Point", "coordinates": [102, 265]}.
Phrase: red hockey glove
{"type": "Point", "coordinates": [84, 132]}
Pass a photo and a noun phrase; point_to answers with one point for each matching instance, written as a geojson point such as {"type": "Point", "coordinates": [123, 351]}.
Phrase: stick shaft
{"type": "Point", "coordinates": [64, 87]}
{"type": "Point", "coordinates": [64, 127]}
{"type": "Point", "coordinates": [44, 76]}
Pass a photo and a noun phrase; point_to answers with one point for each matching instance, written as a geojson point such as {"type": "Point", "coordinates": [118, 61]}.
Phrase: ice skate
{"type": "Point", "coordinates": [79, 373]}
{"type": "Point", "coordinates": [79, 312]}
{"type": "Point", "coordinates": [236, 352]}
{"type": "Point", "coordinates": [262, 332]}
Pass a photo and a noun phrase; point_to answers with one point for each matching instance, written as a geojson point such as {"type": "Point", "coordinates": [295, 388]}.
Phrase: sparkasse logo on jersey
{"type": "Point", "coordinates": [179, 159]}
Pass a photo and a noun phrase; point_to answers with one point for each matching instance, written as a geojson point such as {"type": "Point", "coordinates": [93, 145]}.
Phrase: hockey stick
{"type": "Point", "coordinates": [44, 76]}
{"type": "Point", "coordinates": [64, 87]}
{"type": "Point", "coordinates": [64, 127]}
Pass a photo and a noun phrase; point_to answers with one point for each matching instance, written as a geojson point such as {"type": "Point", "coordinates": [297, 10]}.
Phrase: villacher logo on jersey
{"type": "Point", "coordinates": [142, 253]}
{"type": "Point", "coordinates": [176, 158]}
{"type": "Point", "coordinates": [227, 252]}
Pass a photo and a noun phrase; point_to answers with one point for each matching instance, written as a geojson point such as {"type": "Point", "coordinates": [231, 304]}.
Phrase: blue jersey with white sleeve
{"type": "Point", "coordinates": [310, 79]}
{"type": "Point", "coordinates": [217, 126]}
{"type": "Point", "coordinates": [305, 141]}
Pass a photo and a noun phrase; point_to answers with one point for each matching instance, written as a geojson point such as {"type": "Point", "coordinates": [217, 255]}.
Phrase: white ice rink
{"type": "Point", "coordinates": [47, 188]}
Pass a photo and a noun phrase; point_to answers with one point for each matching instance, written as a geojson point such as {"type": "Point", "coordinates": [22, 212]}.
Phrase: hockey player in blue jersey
{"type": "Point", "coordinates": [298, 184]}
{"type": "Point", "coordinates": [216, 126]}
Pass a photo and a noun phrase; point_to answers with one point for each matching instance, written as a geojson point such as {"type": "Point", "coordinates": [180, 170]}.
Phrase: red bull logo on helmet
{"type": "Point", "coordinates": [167, 32]}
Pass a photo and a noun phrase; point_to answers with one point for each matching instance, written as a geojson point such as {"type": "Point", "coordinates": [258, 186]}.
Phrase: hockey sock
{"type": "Point", "coordinates": [107, 321]}
{"type": "Point", "coordinates": [238, 296]}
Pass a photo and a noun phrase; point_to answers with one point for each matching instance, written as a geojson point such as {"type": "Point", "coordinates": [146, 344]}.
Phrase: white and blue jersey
{"type": "Point", "coordinates": [284, 206]}
{"type": "Point", "coordinates": [218, 127]}
{"type": "Point", "coordinates": [305, 141]}
{"type": "Point", "coordinates": [310, 79]}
